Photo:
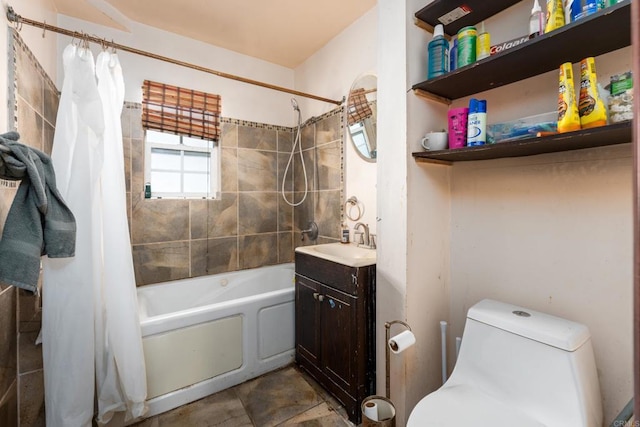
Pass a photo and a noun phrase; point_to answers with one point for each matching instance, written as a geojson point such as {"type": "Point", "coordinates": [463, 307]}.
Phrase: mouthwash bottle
{"type": "Point", "coordinates": [438, 49]}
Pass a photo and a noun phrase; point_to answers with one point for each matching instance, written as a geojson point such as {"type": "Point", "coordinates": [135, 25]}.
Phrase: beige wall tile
{"type": "Point", "coordinates": [214, 218]}
{"type": "Point", "coordinates": [9, 406]}
{"type": "Point", "coordinates": [257, 213]}
{"type": "Point", "coordinates": [258, 250]}
{"type": "Point", "coordinates": [214, 256]}
{"type": "Point", "coordinates": [160, 262]}
{"type": "Point", "coordinates": [257, 170]}
{"type": "Point", "coordinates": [257, 138]}
{"type": "Point", "coordinates": [8, 339]}
{"type": "Point", "coordinates": [229, 173]}
{"type": "Point", "coordinates": [160, 220]}
{"type": "Point", "coordinates": [32, 399]}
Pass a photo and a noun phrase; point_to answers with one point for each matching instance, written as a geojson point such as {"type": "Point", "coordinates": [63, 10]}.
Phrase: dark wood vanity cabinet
{"type": "Point", "coordinates": [335, 328]}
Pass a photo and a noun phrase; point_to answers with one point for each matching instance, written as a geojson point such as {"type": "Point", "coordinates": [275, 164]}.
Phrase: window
{"type": "Point", "coordinates": [179, 166]}
{"type": "Point", "coordinates": [181, 151]}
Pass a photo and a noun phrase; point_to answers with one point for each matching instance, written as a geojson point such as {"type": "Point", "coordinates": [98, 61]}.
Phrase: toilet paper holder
{"type": "Point", "coordinates": [387, 327]}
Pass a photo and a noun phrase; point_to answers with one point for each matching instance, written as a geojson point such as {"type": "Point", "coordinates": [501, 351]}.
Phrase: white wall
{"type": "Point", "coordinates": [330, 72]}
{"type": "Point", "coordinates": [239, 100]}
{"type": "Point", "coordinates": [549, 232]}
{"type": "Point", "coordinates": [392, 191]}
{"type": "Point", "coordinates": [43, 48]}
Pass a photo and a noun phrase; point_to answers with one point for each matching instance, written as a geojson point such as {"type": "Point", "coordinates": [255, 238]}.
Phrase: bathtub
{"type": "Point", "coordinates": [209, 333]}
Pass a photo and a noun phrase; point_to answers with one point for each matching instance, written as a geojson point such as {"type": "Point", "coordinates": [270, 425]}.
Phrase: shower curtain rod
{"type": "Point", "coordinates": [19, 20]}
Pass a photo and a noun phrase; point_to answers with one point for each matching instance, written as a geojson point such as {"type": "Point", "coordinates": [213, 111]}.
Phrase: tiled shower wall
{"type": "Point", "coordinates": [33, 109]}
{"type": "Point", "coordinates": [250, 225]}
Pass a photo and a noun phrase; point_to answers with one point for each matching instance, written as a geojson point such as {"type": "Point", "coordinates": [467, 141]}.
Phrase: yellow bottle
{"type": "Point", "coordinates": [592, 110]}
{"type": "Point", "coordinates": [568, 117]}
{"type": "Point", "coordinates": [555, 15]}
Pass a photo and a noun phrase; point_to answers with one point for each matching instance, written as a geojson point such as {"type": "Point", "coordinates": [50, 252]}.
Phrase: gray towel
{"type": "Point", "coordinates": [39, 221]}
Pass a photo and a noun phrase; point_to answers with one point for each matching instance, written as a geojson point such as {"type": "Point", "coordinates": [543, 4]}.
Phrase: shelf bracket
{"type": "Point", "coordinates": [433, 161]}
{"type": "Point", "coordinates": [432, 97]}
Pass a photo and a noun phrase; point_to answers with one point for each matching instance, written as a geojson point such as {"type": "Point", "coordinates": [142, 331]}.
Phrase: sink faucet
{"type": "Point", "coordinates": [366, 242]}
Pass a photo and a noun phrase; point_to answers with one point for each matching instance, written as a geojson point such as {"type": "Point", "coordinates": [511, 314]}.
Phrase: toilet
{"type": "Point", "coordinates": [517, 367]}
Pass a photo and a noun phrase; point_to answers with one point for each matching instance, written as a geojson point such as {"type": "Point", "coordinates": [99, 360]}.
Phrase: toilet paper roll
{"type": "Point", "coordinates": [402, 341]}
{"type": "Point", "coordinates": [371, 410]}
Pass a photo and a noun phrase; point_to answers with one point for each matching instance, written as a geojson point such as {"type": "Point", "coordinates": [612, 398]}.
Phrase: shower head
{"type": "Point", "coordinates": [294, 104]}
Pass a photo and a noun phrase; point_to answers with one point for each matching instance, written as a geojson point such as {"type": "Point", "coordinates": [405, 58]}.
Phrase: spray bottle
{"type": "Point", "coordinates": [477, 122]}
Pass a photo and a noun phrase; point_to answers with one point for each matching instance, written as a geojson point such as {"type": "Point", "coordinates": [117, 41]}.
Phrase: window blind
{"type": "Point", "coordinates": [358, 108]}
{"type": "Point", "coordinates": [180, 111]}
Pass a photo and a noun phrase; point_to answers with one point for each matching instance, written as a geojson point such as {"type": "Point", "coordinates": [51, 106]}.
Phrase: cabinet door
{"type": "Point", "coordinates": [339, 337]}
{"type": "Point", "coordinates": [307, 319]}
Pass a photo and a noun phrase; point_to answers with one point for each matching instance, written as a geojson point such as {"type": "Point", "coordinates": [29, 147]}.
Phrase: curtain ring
{"type": "Point", "coordinates": [44, 28]}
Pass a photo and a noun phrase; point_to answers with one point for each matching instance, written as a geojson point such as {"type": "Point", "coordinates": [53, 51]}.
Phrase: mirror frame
{"type": "Point", "coordinates": [356, 85]}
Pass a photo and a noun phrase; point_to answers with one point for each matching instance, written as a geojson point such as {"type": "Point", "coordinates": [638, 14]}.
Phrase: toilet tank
{"type": "Point", "coordinates": [539, 363]}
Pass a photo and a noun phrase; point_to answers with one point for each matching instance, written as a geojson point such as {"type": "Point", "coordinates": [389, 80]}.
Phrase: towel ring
{"type": "Point", "coordinates": [349, 204]}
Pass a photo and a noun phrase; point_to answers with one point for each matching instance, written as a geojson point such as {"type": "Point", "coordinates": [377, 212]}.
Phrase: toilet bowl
{"type": "Point", "coordinates": [517, 367]}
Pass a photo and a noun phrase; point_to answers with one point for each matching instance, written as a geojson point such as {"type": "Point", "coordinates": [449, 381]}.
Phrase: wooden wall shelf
{"type": "Point", "coordinates": [618, 133]}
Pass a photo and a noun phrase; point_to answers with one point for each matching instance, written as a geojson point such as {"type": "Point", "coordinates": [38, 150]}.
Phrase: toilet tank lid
{"type": "Point", "coordinates": [545, 328]}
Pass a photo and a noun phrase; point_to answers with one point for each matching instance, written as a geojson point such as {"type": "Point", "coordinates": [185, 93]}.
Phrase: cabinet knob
{"type": "Point", "coordinates": [320, 298]}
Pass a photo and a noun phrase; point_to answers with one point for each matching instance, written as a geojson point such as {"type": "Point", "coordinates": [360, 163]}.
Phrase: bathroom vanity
{"type": "Point", "coordinates": [335, 321]}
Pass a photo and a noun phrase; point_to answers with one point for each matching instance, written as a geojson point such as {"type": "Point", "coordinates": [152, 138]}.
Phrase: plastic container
{"type": "Point", "coordinates": [438, 53]}
{"type": "Point", "coordinates": [591, 108]}
{"type": "Point", "coordinates": [568, 116]}
{"type": "Point", "coordinates": [582, 8]}
{"type": "Point", "coordinates": [477, 123]}
{"type": "Point", "coordinates": [526, 127]}
{"type": "Point", "coordinates": [536, 20]}
{"type": "Point", "coordinates": [621, 97]}
{"type": "Point", "coordinates": [457, 118]}
{"type": "Point", "coordinates": [555, 15]}
{"type": "Point", "coordinates": [467, 39]}
{"type": "Point", "coordinates": [453, 54]}
{"type": "Point", "coordinates": [483, 44]}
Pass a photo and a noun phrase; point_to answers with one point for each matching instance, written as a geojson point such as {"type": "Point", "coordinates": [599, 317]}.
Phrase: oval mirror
{"type": "Point", "coordinates": [362, 115]}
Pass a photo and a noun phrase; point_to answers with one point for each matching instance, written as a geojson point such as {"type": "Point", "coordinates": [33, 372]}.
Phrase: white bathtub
{"type": "Point", "coordinates": [206, 334]}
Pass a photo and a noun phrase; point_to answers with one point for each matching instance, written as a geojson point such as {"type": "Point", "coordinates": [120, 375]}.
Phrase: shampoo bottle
{"type": "Point", "coordinates": [592, 111]}
{"type": "Point", "coordinates": [438, 53]}
{"type": "Point", "coordinates": [536, 21]}
{"type": "Point", "coordinates": [477, 122]}
{"type": "Point", "coordinates": [568, 117]}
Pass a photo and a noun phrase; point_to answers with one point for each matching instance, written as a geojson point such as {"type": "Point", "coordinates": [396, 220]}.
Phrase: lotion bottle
{"type": "Point", "coordinates": [536, 21]}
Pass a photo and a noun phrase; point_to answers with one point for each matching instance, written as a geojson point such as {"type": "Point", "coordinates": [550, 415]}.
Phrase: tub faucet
{"type": "Point", "coordinates": [312, 231]}
{"type": "Point", "coordinates": [366, 240]}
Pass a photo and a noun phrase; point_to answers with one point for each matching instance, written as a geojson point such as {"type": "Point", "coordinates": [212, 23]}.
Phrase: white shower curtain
{"type": "Point", "coordinates": [92, 348]}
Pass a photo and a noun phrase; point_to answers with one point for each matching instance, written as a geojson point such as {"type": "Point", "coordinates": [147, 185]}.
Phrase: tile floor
{"type": "Point", "coordinates": [286, 397]}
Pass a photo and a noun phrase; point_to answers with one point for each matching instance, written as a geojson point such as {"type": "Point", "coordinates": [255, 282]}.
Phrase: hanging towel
{"type": "Point", "coordinates": [39, 221]}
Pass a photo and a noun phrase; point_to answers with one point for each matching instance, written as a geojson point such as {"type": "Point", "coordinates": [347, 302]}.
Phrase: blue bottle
{"type": "Point", "coordinates": [477, 122]}
{"type": "Point", "coordinates": [438, 49]}
{"type": "Point", "coordinates": [453, 54]}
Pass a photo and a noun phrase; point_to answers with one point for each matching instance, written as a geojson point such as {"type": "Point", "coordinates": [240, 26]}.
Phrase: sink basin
{"type": "Point", "coordinates": [346, 254]}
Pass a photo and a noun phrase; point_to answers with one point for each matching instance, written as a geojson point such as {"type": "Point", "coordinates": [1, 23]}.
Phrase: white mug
{"type": "Point", "coordinates": [435, 141]}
